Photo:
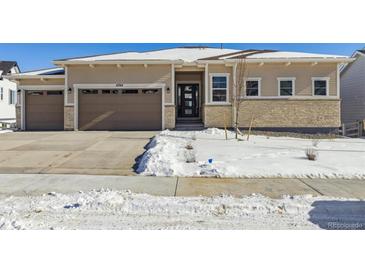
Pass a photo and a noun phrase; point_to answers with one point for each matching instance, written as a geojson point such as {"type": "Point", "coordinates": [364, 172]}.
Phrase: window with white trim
{"type": "Point", "coordinates": [286, 86]}
{"type": "Point", "coordinates": [1, 93]}
{"type": "Point", "coordinates": [12, 97]}
{"type": "Point", "coordinates": [219, 88]}
{"type": "Point", "coordinates": [320, 86]}
{"type": "Point", "coordinates": [252, 87]}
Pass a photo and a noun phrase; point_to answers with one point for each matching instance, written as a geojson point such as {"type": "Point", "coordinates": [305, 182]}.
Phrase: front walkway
{"type": "Point", "coordinates": [38, 184]}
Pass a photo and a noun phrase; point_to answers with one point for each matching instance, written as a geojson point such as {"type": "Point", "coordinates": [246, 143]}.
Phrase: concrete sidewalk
{"type": "Point", "coordinates": [38, 184]}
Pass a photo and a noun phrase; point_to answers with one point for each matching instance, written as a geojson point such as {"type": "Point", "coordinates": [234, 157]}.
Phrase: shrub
{"type": "Point", "coordinates": [315, 142]}
{"type": "Point", "coordinates": [311, 154]}
{"type": "Point", "coordinates": [190, 156]}
{"type": "Point", "coordinates": [189, 147]}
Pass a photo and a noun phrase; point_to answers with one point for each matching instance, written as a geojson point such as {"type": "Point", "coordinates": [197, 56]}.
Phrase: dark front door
{"type": "Point", "coordinates": [188, 100]}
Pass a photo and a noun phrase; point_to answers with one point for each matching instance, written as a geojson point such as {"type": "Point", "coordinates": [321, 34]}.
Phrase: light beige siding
{"type": "Point", "coordinates": [127, 74]}
{"type": "Point", "coordinates": [302, 72]}
{"type": "Point", "coordinates": [38, 82]}
{"type": "Point", "coordinates": [353, 91]}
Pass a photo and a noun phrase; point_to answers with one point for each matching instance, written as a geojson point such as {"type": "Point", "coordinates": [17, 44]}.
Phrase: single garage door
{"type": "Point", "coordinates": [120, 109]}
{"type": "Point", "coordinates": [44, 110]}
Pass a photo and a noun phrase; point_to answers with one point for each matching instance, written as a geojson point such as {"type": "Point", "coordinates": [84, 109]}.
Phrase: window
{"type": "Point", "coordinates": [219, 88]}
{"type": "Point", "coordinates": [12, 97]}
{"type": "Point", "coordinates": [35, 93]}
{"type": "Point", "coordinates": [320, 86]}
{"type": "Point", "coordinates": [1, 94]}
{"type": "Point", "coordinates": [286, 86]}
{"type": "Point", "coordinates": [253, 87]}
{"type": "Point", "coordinates": [149, 91]}
{"type": "Point", "coordinates": [129, 91]}
{"type": "Point", "coordinates": [89, 91]}
{"type": "Point", "coordinates": [55, 92]}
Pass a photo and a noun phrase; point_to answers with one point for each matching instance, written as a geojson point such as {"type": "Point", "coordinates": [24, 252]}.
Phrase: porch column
{"type": "Point", "coordinates": [172, 88]}
{"type": "Point", "coordinates": [206, 77]}
{"type": "Point", "coordinates": [22, 109]}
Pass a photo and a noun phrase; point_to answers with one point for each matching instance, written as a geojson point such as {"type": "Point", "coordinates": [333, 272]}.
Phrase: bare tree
{"type": "Point", "coordinates": [240, 86]}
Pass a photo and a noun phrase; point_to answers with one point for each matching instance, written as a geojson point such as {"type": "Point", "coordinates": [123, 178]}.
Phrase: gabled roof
{"type": "Point", "coordinates": [43, 73]}
{"type": "Point", "coordinates": [237, 54]}
{"type": "Point", "coordinates": [354, 56]}
{"type": "Point", "coordinates": [182, 55]}
{"type": "Point", "coordinates": [49, 71]}
{"type": "Point", "coordinates": [274, 54]}
{"type": "Point", "coordinates": [185, 54]}
{"type": "Point", "coordinates": [6, 66]}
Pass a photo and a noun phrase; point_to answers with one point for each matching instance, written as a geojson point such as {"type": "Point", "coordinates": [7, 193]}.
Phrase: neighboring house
{"type": "Point", "coordinates": [8, 90]}
{"type": "Point", "coordinates": [164, 88]}
{"type": "Point", "coordinates": [353, 89]}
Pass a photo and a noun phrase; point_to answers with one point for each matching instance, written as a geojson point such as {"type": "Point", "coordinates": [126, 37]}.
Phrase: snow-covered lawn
{"type": "Point", "coordinates": [179, 153]}
{"type": "Point", "coordinates": [105, 209]}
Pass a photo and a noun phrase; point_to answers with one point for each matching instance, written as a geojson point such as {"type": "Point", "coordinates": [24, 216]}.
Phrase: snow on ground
{"type": "Point", "coordinates": [261, 156]}
{"type": "Point", "coordinates": [106, 209]}
{"type": "Point", "coordinates": [5, 131]}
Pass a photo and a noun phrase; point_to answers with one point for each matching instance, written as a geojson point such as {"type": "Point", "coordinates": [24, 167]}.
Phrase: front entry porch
{"type": "Point", "coordinates": [189, 100]}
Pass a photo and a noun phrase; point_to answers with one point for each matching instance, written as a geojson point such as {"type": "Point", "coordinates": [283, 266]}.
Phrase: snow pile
{"type": "Point", "coordinates": [106, 209]}
{"type": "Point", "coordinates": [164, 157]}
{"type": "Point", "coordinates": [5, 131]}
{"type": "Point", "coordinates": [259, 157]}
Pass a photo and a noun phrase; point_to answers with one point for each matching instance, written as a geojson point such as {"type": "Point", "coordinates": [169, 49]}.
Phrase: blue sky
{"type": "Point", "coordinates": [36, 56]}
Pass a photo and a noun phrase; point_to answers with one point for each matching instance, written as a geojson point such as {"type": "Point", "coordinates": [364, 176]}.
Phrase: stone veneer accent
{"type": "Point", "coordinates": [291, 113]}
{"type": "Point", "coordinates": [170, 117]}
{"type": "Point", "coordinates": [18, 116]}
{"type": "Point", "coordinates": [68, 117]}
{"type": "Point", "coordinates": [276, 113]}
{"type": "Point", "coordinates": [214, 115]}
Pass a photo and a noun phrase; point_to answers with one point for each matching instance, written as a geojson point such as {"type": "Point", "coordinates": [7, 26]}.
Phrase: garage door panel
{"type": "Point", "coordinates": [44, 112]}
{"type": "Point", "coordinates": [120, 111]}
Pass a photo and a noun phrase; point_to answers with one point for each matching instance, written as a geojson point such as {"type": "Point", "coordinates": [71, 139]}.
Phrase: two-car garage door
{"type": "Point", "coordinates": [120, 109]}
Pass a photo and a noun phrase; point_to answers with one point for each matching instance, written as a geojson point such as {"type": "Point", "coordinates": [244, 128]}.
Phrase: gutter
{"type": "Point", "coordinates": [15, 77]}
{"type": "Point", "coordinates": [280, 60]}
{"type": "Point", "coordinates": [121, 62]}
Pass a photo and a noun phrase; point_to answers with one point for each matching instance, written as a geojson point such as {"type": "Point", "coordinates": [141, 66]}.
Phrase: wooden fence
{"type": "Point", "coordinates": [353, 130]}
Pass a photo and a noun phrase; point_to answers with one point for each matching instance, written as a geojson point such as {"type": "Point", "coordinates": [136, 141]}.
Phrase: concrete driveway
{"type": "Point", "coordinates": [103, 153]}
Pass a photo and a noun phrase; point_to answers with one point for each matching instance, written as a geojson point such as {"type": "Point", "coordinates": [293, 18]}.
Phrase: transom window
{"type": "Point", "coordinates": [286, 86]}
{"type": "Point", "coordinates": [219, 88]}
{"type": "Point", "coordinates": [54, 92]}
{"type": "Point", "coordinates": [252, 87]}
{"type": "Point", "coordinates": [149, 91]}
{"type": "Point", "coordinates": [129, 91]}
{"type": "Point", "coordinates": [89, 91]}
{"type": "Point", "coordinates": [320, 86]}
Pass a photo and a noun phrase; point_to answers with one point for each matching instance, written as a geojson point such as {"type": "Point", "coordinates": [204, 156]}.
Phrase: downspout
{"type": "Point", "coordinates": [206, 90]}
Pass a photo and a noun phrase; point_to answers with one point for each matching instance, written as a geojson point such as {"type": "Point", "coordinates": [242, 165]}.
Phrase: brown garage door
{"type": "Point", "coordinates": [44, 110]}
{"type": "Point", "coordinates": [133, 109]}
